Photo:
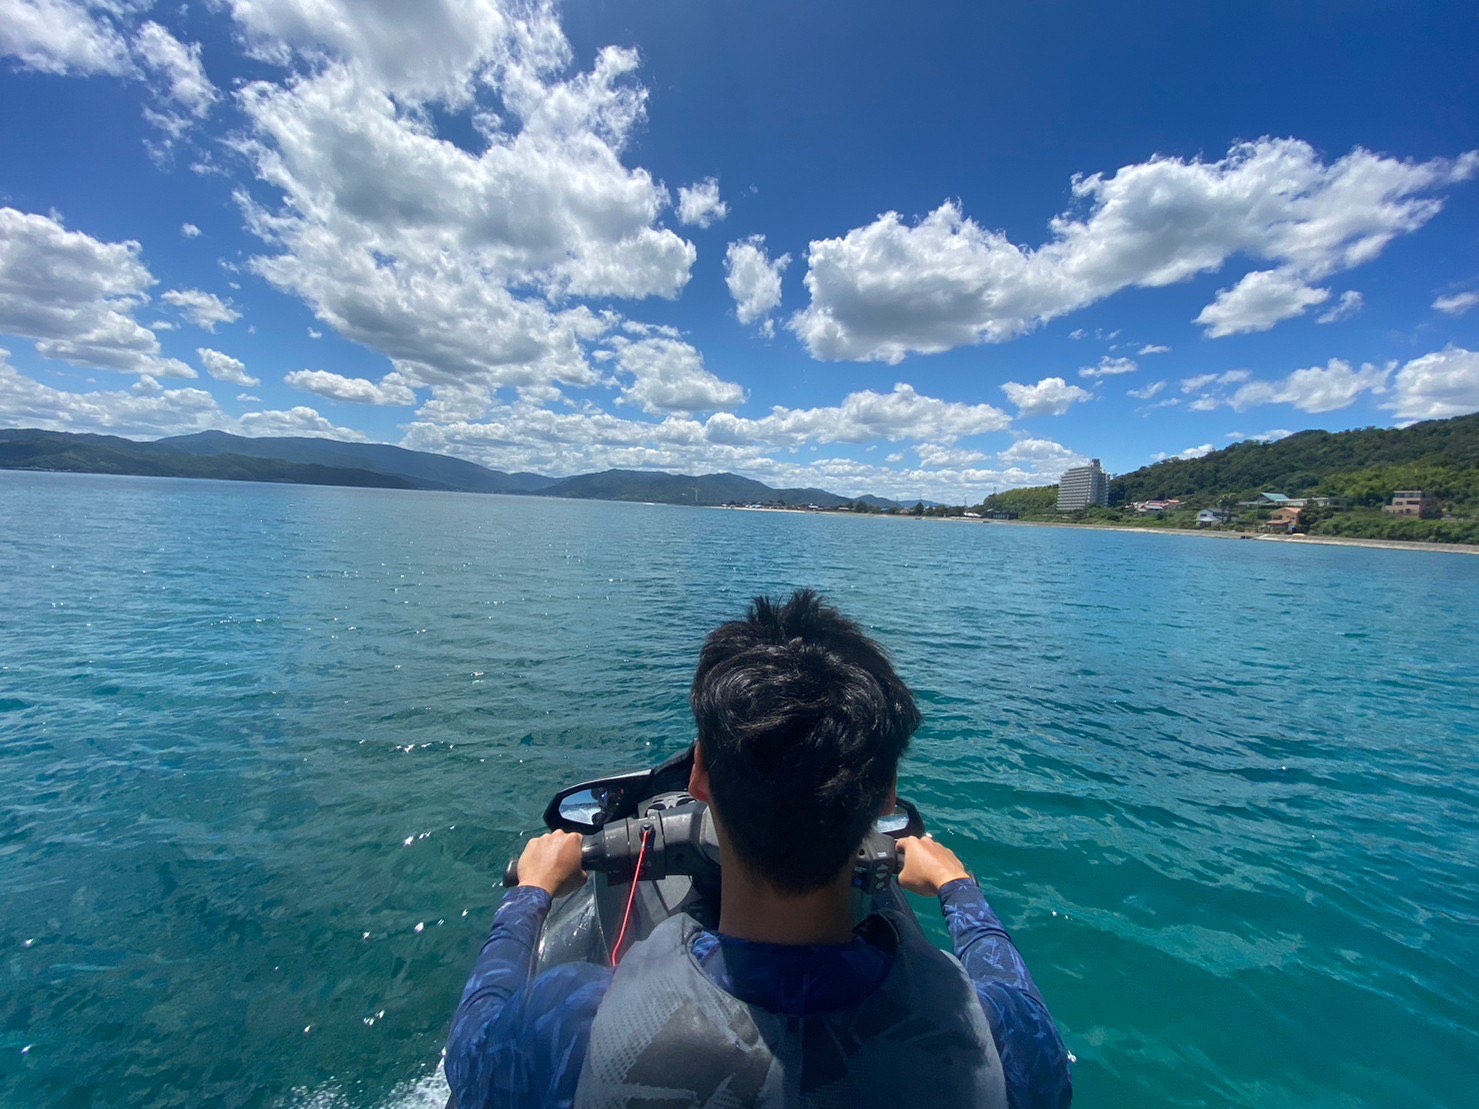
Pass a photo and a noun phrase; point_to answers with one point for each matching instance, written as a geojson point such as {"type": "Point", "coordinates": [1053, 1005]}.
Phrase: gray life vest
{"type": "Point", "coordinates": [665, 1035]}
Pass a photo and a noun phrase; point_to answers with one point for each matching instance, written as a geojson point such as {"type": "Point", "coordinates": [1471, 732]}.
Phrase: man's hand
{"type": "Point", "coordinates": [552, 862]}
{"type": "Point", "coordinates": [928, 866]}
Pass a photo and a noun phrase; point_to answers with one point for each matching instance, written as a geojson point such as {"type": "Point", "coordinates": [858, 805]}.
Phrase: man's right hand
{"type": "Point", "coordinates": [928, 866]}
{"type": "Point", "coordinates": [552, 862]}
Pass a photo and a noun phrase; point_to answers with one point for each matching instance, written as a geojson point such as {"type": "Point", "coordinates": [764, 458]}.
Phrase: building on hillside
{"type": "Point", "coordinates": [1083, 487]}
{"type": "Point", "coordinates": [1413, 502]}
{"type": "Point", "coordinates": [1268, 500]}
{"type": "Point", "coordinates": [1283, 519]}
{"type": "Point", "coordinates": [1208, 517]}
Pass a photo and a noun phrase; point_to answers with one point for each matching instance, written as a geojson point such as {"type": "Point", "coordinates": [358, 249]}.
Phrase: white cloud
{"type": "Point", "coordinates": [700, 204]}
{"type": "Point", "coordinates": [668, 375]}
{"type": "Point", "coordinates": [189, 230]}
{"type": "Point", "coordinates": [754, 280]}
{"type": "Point", "coordinates": [1350, 304]}
{"type": "Point", "coordinates": [223, 367]}
{"type": "Point", "coordinates": [1202, 381]}
{"type": "Point", "coordinates": [147, 409]}
{"type": "Point", "coordinates": [1041, 454]}
{"type": "Point", "coordinates": [1257, 302]}
{"type": "Point", "coordinates": [76, 296]}
{"type": "Point", "coordinates": [889, 289]}
{"type": "Point", "coordinates": [63, 37]}
{"type": "Point", "coordinates": [430, 50]}
{"type": "Point", "coordinates": [204, 310]}
{"type": "Point", "coordinates": [391, 390]}
{"type": "Point", "coordinates": [299, 420]}
{"type": "Point", "coordinates": [1154, 348]}
{"type": "Point", "coordinates": [1188, 453]}
{"type": "Point", "coordinates": [1109, 366]}
{"type": "Point", "coordinates": [1148, 391]}
{"type": "Point", "coordinates": [1317, 389]}
{"type": "Point", "coordinates": [861, 417]}
{"type": "Point", "coordinates": [1456, 304]}
{"type": "Point", "coordinates": [1052, 396]}
{"type": "Point", "coordinates": [1438, 385]}
{"type": "Point", "coordinates": [451, 262]}
{"type": "Point", "coordinates": [178, 65]}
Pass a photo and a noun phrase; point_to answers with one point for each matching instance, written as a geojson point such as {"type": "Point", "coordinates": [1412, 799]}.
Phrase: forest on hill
{"type": "Point", "coordinates": [1361, 469]}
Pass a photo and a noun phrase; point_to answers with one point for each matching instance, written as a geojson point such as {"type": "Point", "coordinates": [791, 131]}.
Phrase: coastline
{"type": "Point", "coordinates": [1297, 540]}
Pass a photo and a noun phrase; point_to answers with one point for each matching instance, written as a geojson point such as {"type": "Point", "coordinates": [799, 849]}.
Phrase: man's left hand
{"type": "Point", "coordinates": [552, 862]}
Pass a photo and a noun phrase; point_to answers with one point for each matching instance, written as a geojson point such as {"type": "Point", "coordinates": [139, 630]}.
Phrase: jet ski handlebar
{"type": "Point", "coordinates": [679, 840]}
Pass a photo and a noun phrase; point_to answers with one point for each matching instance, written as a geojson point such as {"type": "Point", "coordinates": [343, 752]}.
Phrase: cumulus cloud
{"type": "Point", "coordinates": [391, 389]}
{"type": "Point", "coordinates": [1438, 385]}
{"type": "Point", "coordinates": [189, 230]}
{"type": "Point", "coordinates": [299, 420]}
{"type": "Point", "coordinates": [1188, 453]}
{"type": "Point", "coordinates": [699, 204]}
{"type": "Point", "coordinates": [525, 436]}
{"type": "Point", "coordinates": [75, 296]}
{"type": "Point", "coordinates": [862, 417]}
{"type": "Point", "coordinates": [1258, 301]}
{"type": "Point", "coordinates": [454, 263]}
{"type": "Point", "coordinates": [204, 310]}
{"type": "Point", "coordinates": [1350, 304]}
{"type": "Point", "coordinates": [432, 50]}
{"type": "Point", "coordinates": [668, 375]}
{"type": "Point", "coordinates": [1202, 381]}
{"type": "Point", "coordinates": [1148, 391]}
{"type": "Point", "coordinates": [1110, 366]}
{"type": "Point", "coordinates": [1327, 388]}
{"type": "Point", "coordinates": [1043, 455]}
{"type": "Point", "coordinates": [754, 280]}
{"type": "Point", "coordinates": [64, 37]}
{"type": "Point", "coordinates": [1456, 304]}
{"type": "Point", "coordinates": [1052, 396]}
{"type": "Point", "coordinates": [1154, 348]}
{"type": "Point", "coordinates": [223, 367]}
{"type": "Point", "coordinates": [892, 288]}
{"type": "Point", "coordinates": [146, 410]}
{"type": "Point", "coordinates": [178, 65]}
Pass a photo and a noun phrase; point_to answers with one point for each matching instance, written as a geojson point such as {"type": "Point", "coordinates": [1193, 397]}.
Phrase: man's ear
{"type": "Point", "coordinates": [698, 779]}
{"type": "Point", "coordinates": [891, 802]}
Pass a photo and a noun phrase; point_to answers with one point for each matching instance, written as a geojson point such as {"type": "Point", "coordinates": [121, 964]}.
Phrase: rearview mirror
{"type": "Point", "coordinates": [586, 807]}
{"type": "Point", "coordinates": [903, 821]}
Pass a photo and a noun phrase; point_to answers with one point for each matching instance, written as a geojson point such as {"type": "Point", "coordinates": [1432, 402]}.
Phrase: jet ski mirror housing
{"type": "Point", "coordinates": [585, 808]}
{"type": "Point", "coordinates": [903, 821]}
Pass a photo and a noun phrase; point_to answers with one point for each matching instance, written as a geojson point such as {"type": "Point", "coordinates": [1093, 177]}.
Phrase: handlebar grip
{"type": "Point", "coordinates": [511, 873]}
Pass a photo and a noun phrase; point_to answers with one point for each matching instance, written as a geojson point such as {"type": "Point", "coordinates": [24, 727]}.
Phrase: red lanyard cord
{"type": "Point", "coordinates": [626, 917]}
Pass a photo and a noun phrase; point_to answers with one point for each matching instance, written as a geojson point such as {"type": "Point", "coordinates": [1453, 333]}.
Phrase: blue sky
{"type": "Point", "coordinates": [901, 250]}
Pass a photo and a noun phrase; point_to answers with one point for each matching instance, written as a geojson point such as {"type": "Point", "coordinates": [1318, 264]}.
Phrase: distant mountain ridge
{"type": "Point", "coordinates": [219, 454]}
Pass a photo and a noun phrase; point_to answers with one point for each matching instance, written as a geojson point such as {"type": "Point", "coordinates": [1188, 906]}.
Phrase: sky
{"type": "Point", "coordinates": [917, 250]}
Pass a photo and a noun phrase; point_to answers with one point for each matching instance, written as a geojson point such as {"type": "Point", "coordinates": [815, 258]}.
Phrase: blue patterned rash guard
{"type": "Point", "coordinates": [519, 1043]}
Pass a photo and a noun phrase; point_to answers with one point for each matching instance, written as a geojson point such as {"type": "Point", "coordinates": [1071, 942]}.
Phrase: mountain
{"type": "Point", "coordinates": [420, 469]}
{"type": "Point", "coordinates": [30, 449]}
{"type": "Point", "coordinates": [1365, 464]}
{"type": "Point", "coordinates": [217, 454]}
{"type": "Point", "coordinates": [707, 489]}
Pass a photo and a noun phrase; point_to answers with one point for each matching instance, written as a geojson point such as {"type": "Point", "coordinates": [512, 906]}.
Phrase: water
{"type": "Point", "coordinates": [264, 751]}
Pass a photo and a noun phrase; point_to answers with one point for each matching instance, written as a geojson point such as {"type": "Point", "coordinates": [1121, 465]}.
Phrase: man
{"type": "Point", "coordinates": [801, 722]}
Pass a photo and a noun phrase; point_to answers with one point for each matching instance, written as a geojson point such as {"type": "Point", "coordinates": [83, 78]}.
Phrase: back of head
{"type": "Point", "coordinates": [802, 722]}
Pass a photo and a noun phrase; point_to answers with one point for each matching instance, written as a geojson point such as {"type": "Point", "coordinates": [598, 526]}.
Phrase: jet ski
{"type": "Point", "coordinates": [650, 852]}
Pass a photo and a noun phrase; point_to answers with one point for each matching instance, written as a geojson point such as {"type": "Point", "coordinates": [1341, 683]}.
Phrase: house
{"type": "Point", "coordinates": [1268, 500]}
{"type": "Point", "coordinates": [1413, 502]}
{"type": "Point", "coordinates": [1209, 517]}
{"type": "Point", "coordinates": [1283, 519]}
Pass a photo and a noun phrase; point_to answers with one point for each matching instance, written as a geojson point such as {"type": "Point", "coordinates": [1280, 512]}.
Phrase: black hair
{"type": "Point", "coordinates": [802, 722]}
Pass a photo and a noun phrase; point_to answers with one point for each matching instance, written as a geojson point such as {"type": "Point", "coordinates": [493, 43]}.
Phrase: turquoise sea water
{"type": "Point", "coordinates": [264, 751]}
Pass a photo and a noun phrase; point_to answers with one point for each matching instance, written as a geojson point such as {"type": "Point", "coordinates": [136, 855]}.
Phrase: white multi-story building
{"type": "Point", "coordinates": [1082, 487]}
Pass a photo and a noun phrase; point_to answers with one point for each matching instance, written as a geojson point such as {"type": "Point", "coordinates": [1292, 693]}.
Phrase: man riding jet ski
{"type": "Point", "coordinates": [774, 962]}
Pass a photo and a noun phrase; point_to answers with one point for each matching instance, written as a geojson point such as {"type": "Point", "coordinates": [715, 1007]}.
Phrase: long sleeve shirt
{"type": "Point", "coordinates": [519, 1040]}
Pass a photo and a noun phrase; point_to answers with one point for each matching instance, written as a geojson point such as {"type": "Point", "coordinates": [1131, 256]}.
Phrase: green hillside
{"type": "Point", "coordinates": [1360, 468]}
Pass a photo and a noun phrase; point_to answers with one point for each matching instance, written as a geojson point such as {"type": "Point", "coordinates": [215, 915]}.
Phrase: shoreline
{"type": "Point", "coordinates": [1200, 533]}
